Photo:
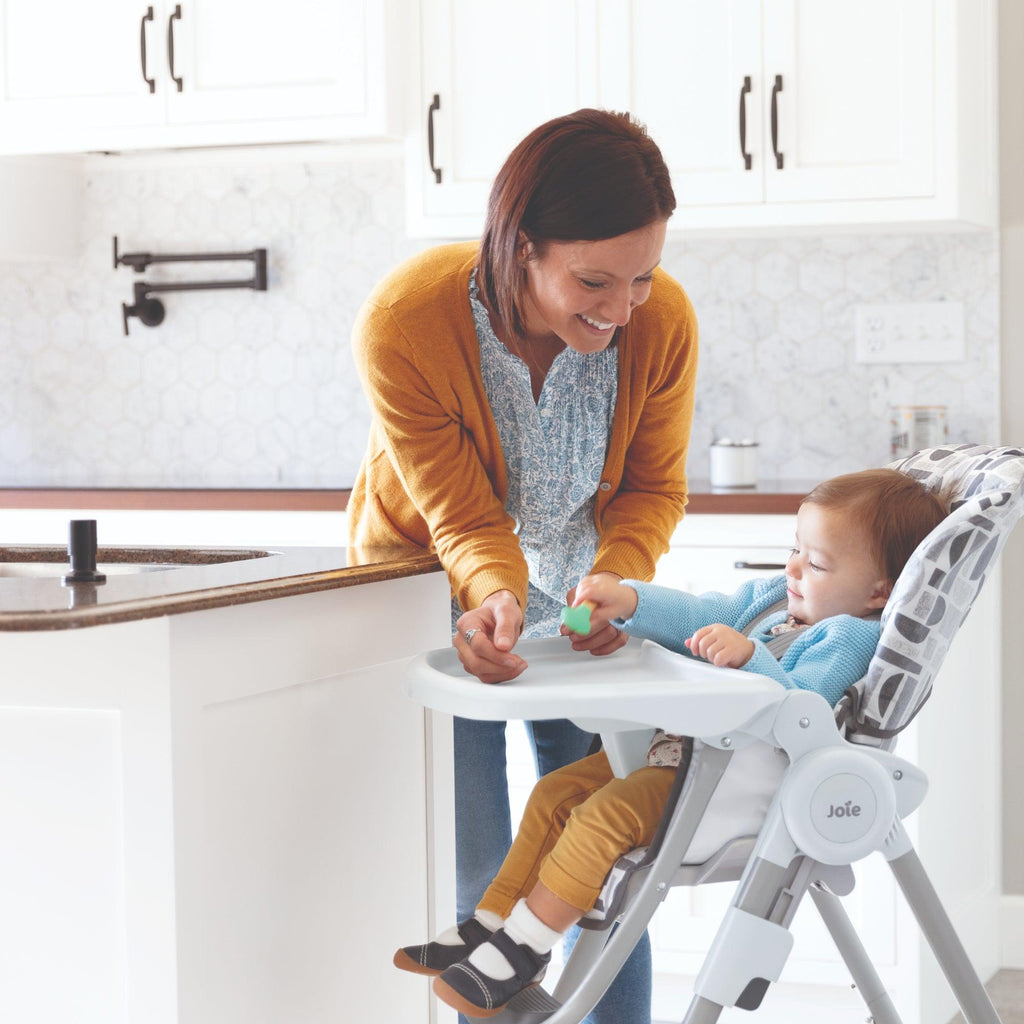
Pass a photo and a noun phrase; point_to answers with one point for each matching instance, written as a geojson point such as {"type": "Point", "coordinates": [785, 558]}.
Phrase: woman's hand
{"type": "Point", "coordinates": [722, 646]}
{"type": "Point", "coordinates": [610, 600]}
{"type": "Point", "coordinates": [492, 631]}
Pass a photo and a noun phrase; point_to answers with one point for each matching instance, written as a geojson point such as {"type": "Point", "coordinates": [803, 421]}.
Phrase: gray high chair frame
{"type": "Point", "coordinates": [836, 757]}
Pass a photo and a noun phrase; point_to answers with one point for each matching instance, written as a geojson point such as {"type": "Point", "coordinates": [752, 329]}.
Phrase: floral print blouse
{"type": "Point", "coordinates": [554, 455]}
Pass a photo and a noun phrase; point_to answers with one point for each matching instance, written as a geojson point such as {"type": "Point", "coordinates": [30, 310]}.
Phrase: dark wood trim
{"type": "Point", "coordinates": [743, 503]}
{"type": "Point", "coordinates": [774, 497]}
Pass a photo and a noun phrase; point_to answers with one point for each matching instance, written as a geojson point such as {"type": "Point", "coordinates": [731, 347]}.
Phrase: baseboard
{"type": "Point", "coordinates": [1011, 931]}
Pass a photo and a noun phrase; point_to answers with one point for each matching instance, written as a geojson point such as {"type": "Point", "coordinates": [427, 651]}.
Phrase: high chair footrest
{"type": "Point", "coordinates": [533, 1006]}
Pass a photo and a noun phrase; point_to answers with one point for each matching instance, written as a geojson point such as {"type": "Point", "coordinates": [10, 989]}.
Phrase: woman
{"type": "Point", "coordinates": [532, 396]}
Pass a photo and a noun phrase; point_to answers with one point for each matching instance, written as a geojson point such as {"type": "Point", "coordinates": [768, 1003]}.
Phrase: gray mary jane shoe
{"type": "Point", "coordinates": [473, 993]}
{"type": "Point", "coordinates": [434, 957]}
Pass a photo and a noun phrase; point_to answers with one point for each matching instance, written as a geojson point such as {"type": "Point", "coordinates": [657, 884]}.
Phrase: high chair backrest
{"type": "Point", "coordinates": [938, 585]}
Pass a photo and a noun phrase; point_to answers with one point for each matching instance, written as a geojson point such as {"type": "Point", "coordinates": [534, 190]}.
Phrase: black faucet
{"type": "Point", "coordinates": [82, 552]}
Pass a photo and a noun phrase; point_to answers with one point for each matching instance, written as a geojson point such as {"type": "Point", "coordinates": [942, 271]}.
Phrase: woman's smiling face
{"type": "Point", "coordinates": [582, 292]}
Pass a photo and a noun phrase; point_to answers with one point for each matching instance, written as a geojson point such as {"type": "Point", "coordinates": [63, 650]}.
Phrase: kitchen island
{"type": "Point", "coordinates": [217, 801]}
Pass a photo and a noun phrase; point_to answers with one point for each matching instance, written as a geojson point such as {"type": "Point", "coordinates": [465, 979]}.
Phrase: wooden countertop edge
{"type": "Point", "coordinates": [777, 498]}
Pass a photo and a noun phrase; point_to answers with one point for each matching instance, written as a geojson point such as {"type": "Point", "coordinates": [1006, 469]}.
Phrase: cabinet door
{"type": "Point", "coordinates": [699, 570]}
{"type": "Point", "coordinates": [490, 73]}
{"type": "Point", "coordinates": [235, 61]}
{"type": "Point", "coordinates": [855, 114]}
{"type": "Point", "coordinates": [69, 67]}
{"type": "Point", "coordinates": [845, 127]}
{"type": "Point", "coordinates": [691, 71]}
{"type": "Point", "coordinates": [130, 75]}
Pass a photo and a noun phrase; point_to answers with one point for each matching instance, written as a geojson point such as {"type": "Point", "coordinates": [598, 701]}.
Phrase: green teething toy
{"type": "Point", "coordinates": [578, 618]}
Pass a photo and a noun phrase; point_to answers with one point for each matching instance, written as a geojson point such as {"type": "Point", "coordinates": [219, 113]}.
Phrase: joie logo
{"type": "Point", "coordinates": [847, 810]}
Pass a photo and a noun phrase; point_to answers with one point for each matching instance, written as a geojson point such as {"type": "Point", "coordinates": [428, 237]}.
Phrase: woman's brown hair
{"type": "Point", "coordinates": [583, 177]}
{"type": "Point", "coordinates": [895, 511]}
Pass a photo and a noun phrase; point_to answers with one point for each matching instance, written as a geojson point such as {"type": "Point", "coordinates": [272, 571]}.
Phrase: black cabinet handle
{"type": "Point", "coordinates": [776, 89]}
{"type": "Point", "coordinates": [759, 565]}
{"type": "Point", "coordinates": [743, 122]}
{"type": "Point", "coordinates": [148, 16]}
{"type": "Point", "coordinates": [435, 105]}
{"type": "Point", "coordinates": [176, 16]}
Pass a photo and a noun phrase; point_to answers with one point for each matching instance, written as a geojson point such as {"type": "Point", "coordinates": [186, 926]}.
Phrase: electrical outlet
{"type": "Point", "coordinates": [910, 332]}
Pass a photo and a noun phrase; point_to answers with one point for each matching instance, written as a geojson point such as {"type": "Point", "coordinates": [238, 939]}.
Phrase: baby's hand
{"type": "Point", "coordinates": [721, 645]}
{"type": "Point", "coordinates": [608, 597]}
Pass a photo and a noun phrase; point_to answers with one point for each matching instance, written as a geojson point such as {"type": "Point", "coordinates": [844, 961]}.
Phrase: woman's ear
{"type": "Point", "coordinates": [524, 248]}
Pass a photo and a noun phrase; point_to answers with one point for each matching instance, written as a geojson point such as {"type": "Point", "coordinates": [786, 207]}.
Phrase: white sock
{"type": "Point", "coordinates": [523, 927]}
{"type": "Point", "coordinates": [451, 937]}
{"type": "Point", "coordinates": [489, 919]}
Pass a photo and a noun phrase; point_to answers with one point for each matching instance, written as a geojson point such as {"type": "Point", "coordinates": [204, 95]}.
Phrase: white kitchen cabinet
{"type": "Point", "coordinates": [681, 67]}
{"type": "Point", "coordinates": [488, 73]}
{"type": "Point", "coordinates": [69, 66]}
{"type": "Point", "coordinates": [129, 74]}
{"type": "Point", "coordinates": [813, 112]}
{"type": "Point", "coordinates": [848, 128]}
{"type": "Point", "coordinates": [955, 831]}
{"type": "Point", "coordinates": [771, 114]}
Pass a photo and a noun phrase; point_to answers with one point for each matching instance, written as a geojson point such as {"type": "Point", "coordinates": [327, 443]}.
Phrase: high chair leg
{"type": "Point", "coordinates": [938, 929]}
{"type": "Point", "coordinates": [589, 945]}
{"type": "Point", "coordinates": [753, 942]}
{"type": "Point", "coordinates": [855, 956]}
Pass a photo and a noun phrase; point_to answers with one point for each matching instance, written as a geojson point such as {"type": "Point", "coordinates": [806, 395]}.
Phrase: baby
{"type": "Point", "coordinates": [814, 628]}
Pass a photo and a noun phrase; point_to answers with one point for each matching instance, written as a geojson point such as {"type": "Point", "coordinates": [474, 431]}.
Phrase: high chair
{"type": "Point", "coordinates": [783, 792]}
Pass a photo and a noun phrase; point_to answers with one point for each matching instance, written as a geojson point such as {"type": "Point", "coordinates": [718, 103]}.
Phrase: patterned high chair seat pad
{"type": "Point", "coordinates": [937, 587]}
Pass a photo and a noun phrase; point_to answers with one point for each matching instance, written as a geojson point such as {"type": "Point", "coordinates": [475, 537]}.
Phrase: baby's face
{"type": "Point", "coordinates": [831, 570]}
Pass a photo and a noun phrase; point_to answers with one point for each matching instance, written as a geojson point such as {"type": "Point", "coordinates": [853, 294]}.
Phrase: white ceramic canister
{"type": "Point", "coordinates": [915, 427]}
{"type": "Point", "coordinates": [733, 463]}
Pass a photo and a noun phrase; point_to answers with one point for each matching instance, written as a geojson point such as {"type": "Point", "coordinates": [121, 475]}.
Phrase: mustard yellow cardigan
{"type": "Point", "coordinates": [434, 473]}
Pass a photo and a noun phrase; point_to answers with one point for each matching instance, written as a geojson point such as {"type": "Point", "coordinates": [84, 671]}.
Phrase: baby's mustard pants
{"type": "Point", "coordinates": [578, 821]}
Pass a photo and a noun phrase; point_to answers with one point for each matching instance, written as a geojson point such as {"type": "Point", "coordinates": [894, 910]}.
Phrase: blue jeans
{"type": "Point", "coordinates": [483, 835]}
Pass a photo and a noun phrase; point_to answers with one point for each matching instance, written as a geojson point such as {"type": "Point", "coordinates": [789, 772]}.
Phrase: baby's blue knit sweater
{"type": "Point", "coordinates": [826, 657]}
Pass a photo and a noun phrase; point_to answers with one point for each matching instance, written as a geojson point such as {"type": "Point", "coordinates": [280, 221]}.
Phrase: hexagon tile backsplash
{"type": "Point", "coordinates": [244, 389]}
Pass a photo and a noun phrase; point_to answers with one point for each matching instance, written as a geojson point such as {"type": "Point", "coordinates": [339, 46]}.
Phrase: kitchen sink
{"type": "Point", "coordinates": [42, 570]}
{"type": "Point", "coordinates": [31, 562]}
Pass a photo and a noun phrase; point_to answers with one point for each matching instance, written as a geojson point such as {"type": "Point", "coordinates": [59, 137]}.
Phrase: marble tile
{"type": "Point", "coordinates": [237, 388]}
{"type": "Point", "coordinates": [777, 344]}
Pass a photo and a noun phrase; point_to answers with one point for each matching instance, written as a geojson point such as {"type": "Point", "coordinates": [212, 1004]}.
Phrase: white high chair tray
{"type": "Point", "coordinates": [640, 685]}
